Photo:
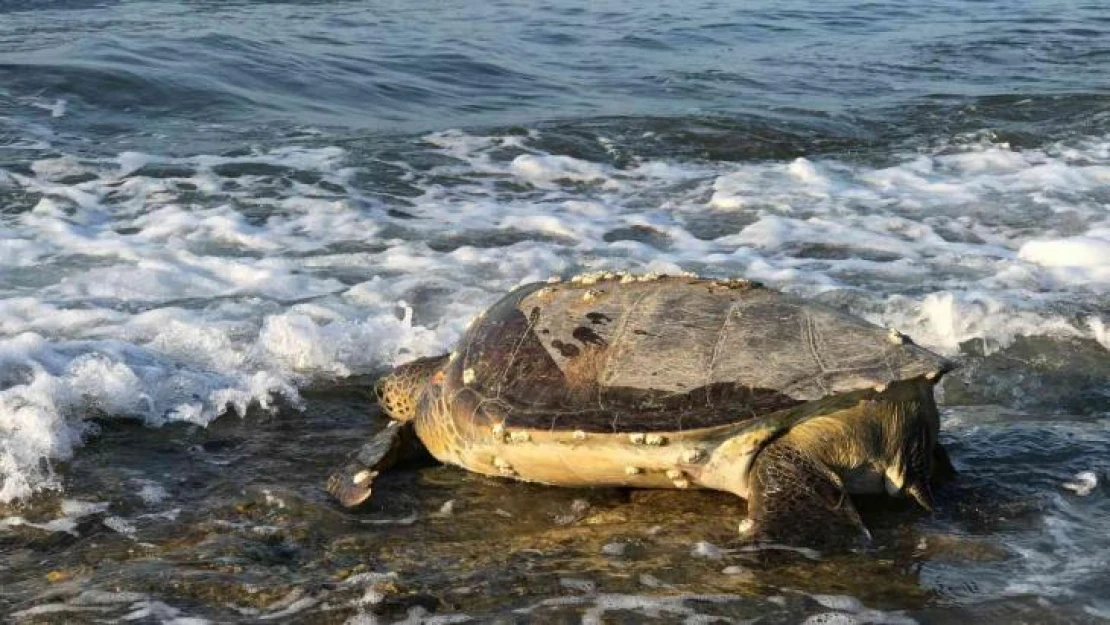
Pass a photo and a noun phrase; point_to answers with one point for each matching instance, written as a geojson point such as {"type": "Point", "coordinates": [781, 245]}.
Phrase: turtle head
{"type": "Point", "coordinates": [399, 391]}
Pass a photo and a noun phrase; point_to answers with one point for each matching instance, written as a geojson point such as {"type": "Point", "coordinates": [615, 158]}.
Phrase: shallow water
{"type": "Point", "coordinates": [219, 221]}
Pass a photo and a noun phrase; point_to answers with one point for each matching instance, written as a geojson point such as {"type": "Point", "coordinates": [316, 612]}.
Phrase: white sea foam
{"type": "Point", "coordinates": [151, 492]}
{"type": "Point", "coordinates": [1084, 483]}
{"type": "Point", "coordinates": [121, 525]}
{"type": "Point", "coordinates": [1082, 260]}
{"type": "Point", "coordinates": [690, 608]}
{"type": "Point", "coordinates": [168, 289]}
{"type": "Point", "coordinates": [129, 606]}
{"type": "Point", "coordinates": [849, 610]}
{"type": "Point", "coordinates": [294, 602]}
{"type": "Point", "coordinates": [548, 171]}
{"type": "Point", "coordinates": [72, 511]}
{"type": "Point", "coordinates": [944, 319]}
{"type": "Point", "coordinates": [598, 605]}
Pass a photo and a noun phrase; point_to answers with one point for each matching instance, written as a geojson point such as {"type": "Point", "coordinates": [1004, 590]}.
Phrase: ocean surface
{"type": "Point", "coordinates": [220, 220]}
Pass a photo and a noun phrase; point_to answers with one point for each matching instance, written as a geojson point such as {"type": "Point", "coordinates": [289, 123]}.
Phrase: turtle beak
{"type": "Point", "coordinates": [921, 493]}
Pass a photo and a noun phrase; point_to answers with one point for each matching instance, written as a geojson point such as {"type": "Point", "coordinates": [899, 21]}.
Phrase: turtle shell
{"type": "Point", "coordinates": [667, 354]}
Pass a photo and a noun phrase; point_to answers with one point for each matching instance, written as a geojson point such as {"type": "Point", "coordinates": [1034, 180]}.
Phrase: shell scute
{"type": "Point", "coordinates": [671, 355]}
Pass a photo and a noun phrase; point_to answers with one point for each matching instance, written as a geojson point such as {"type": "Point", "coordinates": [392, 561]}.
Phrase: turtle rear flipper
{"type": "Point", "coordinates": [351, 483]}
{"type": "Point", "coordinates": [797, 500]}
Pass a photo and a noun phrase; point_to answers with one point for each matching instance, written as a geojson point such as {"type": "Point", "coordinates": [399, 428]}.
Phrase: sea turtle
{"type": "Point", "coordinates": [675, 382]}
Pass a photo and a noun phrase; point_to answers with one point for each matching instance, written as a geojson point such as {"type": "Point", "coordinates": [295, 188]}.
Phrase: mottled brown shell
{"type": "Point", "coordinates": [667, 354]}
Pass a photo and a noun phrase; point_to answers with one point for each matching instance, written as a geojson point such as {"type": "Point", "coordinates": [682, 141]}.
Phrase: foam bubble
{"type": "Point", "coordinates": [130, 606]}
{"type": "Point", "coordinates": [1083, 260]}
{"type": "Point", "coordinates": [1100, 330]}
{"type": "Point", "coordinates": [1083, 484]}
{"type": "Point", "coordinates": [72, 512]}
{"type": "Point", "coordinates": [548, 171]}
{"type": "Point", "coordinates": [1085, 251]}
{"type": "Point", "coordinates": [293, 603]}
{"type": "Point", "coordinates": [849, 610]}
{"type": "Point", "coordinates": [945, 319]}
{"type": "Point", "coordinates": [662, 607]}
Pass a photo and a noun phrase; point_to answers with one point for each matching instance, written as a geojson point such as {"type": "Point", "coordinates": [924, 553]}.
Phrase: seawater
{"type": "Point", "coordinates": [219, 221]}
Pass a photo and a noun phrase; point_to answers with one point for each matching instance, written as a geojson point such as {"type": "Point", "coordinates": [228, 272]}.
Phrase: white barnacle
{"type": "Point", "coordinates": [499, 430]}
{"type": "Point", "coordinates": [746, 526]}
{"type": "Point", "coordinates": [932, 375]}
{"type": "Point", "coordinates": [675, 474]}
{"type": "Point", "coordinates": [554, 280]}
{"type": "Point", "coordinates": [545, 292]}
{"type": "Point", "coordinates": [649, 277]}
{"type": "Point", "coordinates": [688, 274]}
{"type": "Point", "coordinates": [362, 476]}
{"type": "Point", "coordinates": [579, 435]}
{"type": "Point", "coordinates": [681, 483]}
{"type": "Point", "coordinates": [633, 470]}
{"type": "Point", "coordinates": [626, 278]}
{"type": "Point", "coordinates": [655, 439]}
{"type": "Point", "coordinates": [468, 376]}
{"type": "Point", "coordinates": [502, 465]}
{"type": "Point", "coordinates": [520, 437]}
{"type": "Point", "coordinates": [587, 278]}
{"type": "Point", "coordinates": [590, 295]}
{"type": "Point", "coordinates": [637, 438]}
{"type": "Point", "coordinates": [879, 388]}
{"type": "Point", "coordinates": [693, 454]}
{"type": "Point", "coordinates": [896, 337]}
{"type": "Point", "coordinates": [452, 356]}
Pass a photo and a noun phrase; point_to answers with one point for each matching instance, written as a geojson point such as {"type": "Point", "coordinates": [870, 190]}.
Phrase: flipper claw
{"type": "Point", "coordinates": [922, 494]}
{"type": "Point", "coordinates": [352, 483]}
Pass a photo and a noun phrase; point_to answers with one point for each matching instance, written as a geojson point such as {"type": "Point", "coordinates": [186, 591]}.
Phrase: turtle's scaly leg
{"type": "Point", "coordinates": [351, 483]}
{"type": "Point", "coordinates": [797, 500]}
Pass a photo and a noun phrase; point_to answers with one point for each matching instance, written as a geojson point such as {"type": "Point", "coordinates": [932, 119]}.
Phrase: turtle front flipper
{"type": "Point", "coordinates": [351, 483]}
{"type": "Point", "coordinates": [943, 469]}
{"type": "Point", "coordinates": [797, 500]}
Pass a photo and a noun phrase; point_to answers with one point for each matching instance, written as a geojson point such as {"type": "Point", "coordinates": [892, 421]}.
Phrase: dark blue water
{"type": "Point", "coordinates": [865, 70]}
{"type": "Point", "coordinates": [219, 221]}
